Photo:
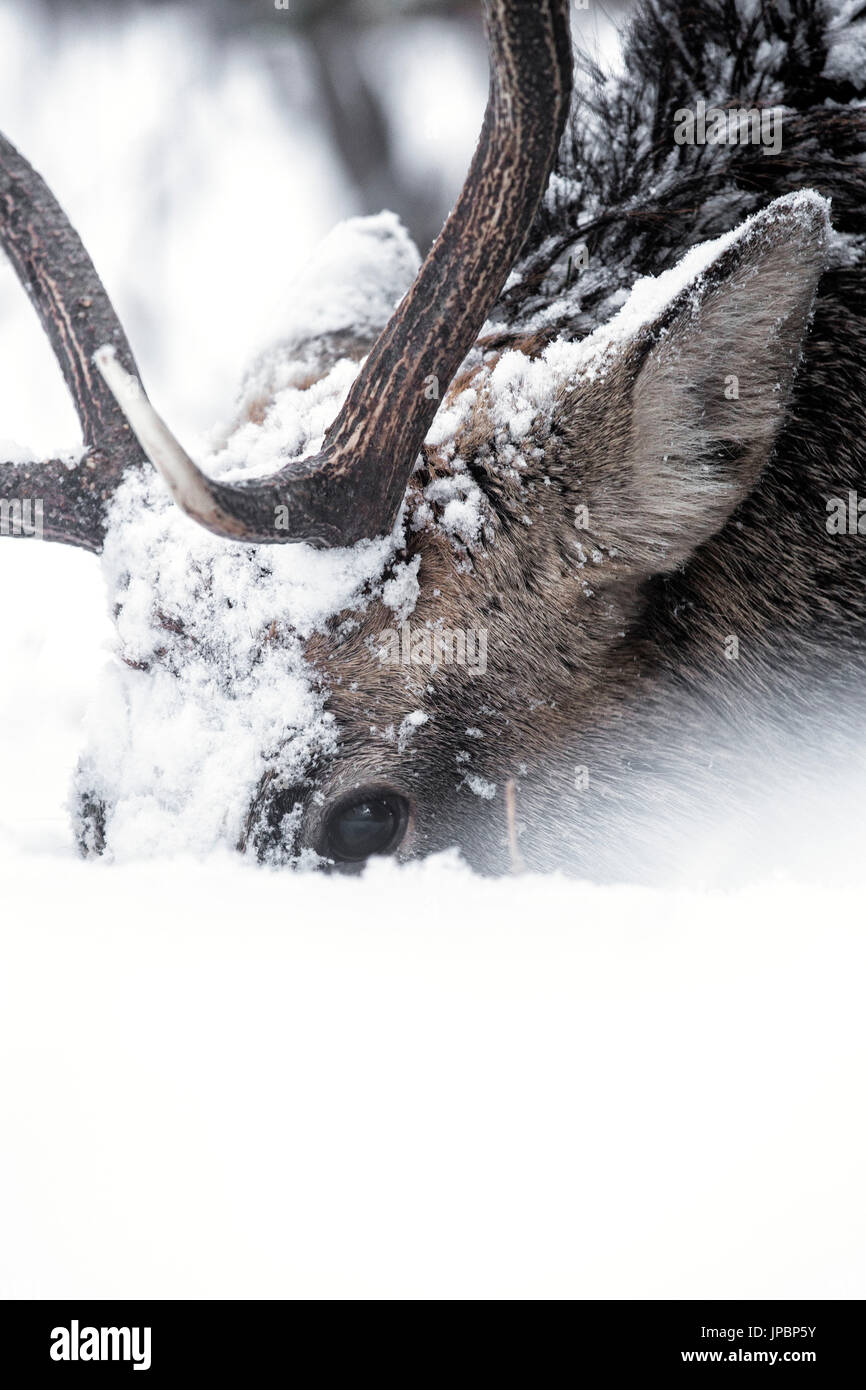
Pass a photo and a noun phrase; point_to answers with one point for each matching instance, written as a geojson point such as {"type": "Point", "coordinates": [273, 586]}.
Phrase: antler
{"type": "Point", "coordinates": [354, 487]}
{"type": "Point", "coordinates": [77, 316]}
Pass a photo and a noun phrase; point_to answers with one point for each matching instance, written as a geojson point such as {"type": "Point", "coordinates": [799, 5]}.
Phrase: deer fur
{"type": "Point", "coordinates": [708, 515]}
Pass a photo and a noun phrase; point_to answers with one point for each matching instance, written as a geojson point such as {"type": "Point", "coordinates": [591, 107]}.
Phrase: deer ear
{"type": "Point", "coordinates": [711, 392]}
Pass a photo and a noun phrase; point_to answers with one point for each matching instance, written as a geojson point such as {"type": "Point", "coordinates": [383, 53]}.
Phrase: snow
{"type": "Point", "coordinates": [462, 503]}
{"type": "Point", "coordinates": [368, 264]}
{"type": "Point", "coordinates": [520, 393]}
{"type": "Point", "coordinates": [479, 786]}
{"type": "Point", "coordinates": [217, 1083]}
{"type": "Point", "coordinates": [211, 680]}
{"type": "Point", "coordinates": [13, 452]}
{"type": "Point", "coordinates": [846, 55]}
{"type": "Point", "coordinates": [413, 721]}
{"type": "Point", "coordinates": [652, 294]}
{"type": "Point", "coordinates": [219, 1080]}
{"type": "Point", "coordinates": [211, 686]}
{"type": "Point", "coordinates": [523, 388]}
{"type": "Point", "coordinates": [400, 592]}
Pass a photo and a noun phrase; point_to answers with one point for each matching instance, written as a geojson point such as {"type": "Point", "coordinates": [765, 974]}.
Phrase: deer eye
{"type": "Point", "coordinates": [373, 824]}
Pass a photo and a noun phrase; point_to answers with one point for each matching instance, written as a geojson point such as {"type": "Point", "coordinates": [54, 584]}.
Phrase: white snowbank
{"type": "Point", "coordinates": [223, 1082]}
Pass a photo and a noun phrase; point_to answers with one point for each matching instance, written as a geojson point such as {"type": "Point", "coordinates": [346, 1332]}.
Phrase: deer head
{"type": "Point", "coordinates": [484, 521]}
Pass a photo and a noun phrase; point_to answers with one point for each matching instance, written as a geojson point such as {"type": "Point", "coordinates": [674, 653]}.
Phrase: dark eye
{"type": "Point", "coordinates": [370, 825]}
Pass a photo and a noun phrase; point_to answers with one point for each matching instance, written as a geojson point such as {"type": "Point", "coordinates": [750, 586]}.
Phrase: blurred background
{"type": "Point", "coordinates": [203, 147]}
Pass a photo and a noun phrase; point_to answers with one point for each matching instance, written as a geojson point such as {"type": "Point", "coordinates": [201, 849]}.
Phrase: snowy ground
{"type": "Point", "coordinates": [222, 1081]}
{"type": "Point", "coordinates": [216, 1082]}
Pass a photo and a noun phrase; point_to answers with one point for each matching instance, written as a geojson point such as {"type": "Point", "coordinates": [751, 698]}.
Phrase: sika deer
{"type": "Point", "coordinates": [606, 566]}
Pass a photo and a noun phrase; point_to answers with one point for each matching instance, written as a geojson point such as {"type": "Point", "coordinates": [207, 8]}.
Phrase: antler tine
{"type": "Point", "coordinates": [354, 487]}
{"type": "Point", "coordinates": [77, 317]}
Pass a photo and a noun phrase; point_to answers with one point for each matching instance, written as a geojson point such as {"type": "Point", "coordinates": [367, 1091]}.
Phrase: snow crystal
{"type": "Point", "coordinates": [462, 503]}
{"type": "Point", "coordinates": [400, 592]}
{"type": "Point", "coordinates": [479, 786]}
{"type": "Point", "coordinates": [409, 726]}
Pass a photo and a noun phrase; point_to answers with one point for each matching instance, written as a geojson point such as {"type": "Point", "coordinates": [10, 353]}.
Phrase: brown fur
{"type": "Point", "coordinates": [582, 657]}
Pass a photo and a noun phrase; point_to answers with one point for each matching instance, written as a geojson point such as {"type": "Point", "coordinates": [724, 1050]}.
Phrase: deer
{"type": "Point", "coordinates": [582, 471]}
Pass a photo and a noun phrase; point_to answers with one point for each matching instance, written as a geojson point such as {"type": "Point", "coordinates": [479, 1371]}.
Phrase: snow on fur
{"type": "Point", "coordinates": [209, 683]}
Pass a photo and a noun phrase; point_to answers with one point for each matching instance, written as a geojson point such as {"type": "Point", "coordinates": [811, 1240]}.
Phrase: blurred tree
{"type": "Point", "coordinates": [331, 35]}
{"type": "Point", "coordinates": [352, 106]}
